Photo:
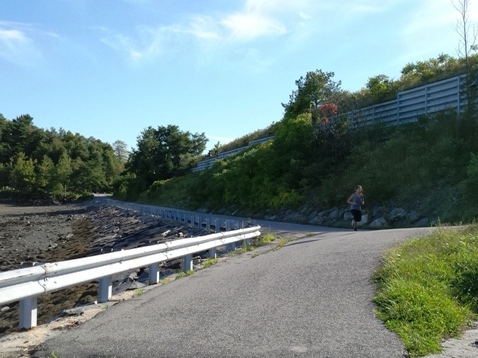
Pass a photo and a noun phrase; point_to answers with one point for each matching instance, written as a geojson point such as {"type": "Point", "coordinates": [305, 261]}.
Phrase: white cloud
{"type": "Point", "coordinates": [12, 35]}
{"type": "Point", "coordinates": [247, 26]}
{"type": "Point", "coordinates": [257, 18]}
{"type": "Point", "coordinates": [203, 27]}
{"type": "Point", "coordinates": [146, 44]}
{"type": "Point", "coordinates": [17, 45]}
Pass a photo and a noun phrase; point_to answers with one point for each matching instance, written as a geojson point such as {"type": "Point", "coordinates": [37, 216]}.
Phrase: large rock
{"type": "Point", "coordinates": [413, 216]}
{"type": "Point", "coordinates": [377, 212]}
{"type": "Point", "coordinates": [397, 214]}
{"type": "Point", "coordinates": [334, 213]}
{"type": "Point", "coordinates": [379, 223]}
{"type": "Point", "coordinates": [364, 220]}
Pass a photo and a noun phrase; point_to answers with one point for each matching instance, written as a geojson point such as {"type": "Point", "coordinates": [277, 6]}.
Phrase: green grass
{"type": "Point", "coordinates": [427, 288]}
{"type": "Point", "coordinates": [282, 242]}
{"type": "Point", "coordinates": [183, 273]}
{"type": "Point", "coordinates": [265, 239]}
{"type": "Point", "coordinates": [210, 262]}
{"type": "Point", "coordinates": [245, 247]}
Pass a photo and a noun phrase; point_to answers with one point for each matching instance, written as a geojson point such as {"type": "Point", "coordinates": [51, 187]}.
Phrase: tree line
{"type": "Point", "coordinates": [50, 164]}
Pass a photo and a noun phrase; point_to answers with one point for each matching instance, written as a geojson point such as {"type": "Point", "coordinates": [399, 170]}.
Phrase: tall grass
{"type": "Point", "coordinates": [428, 288]}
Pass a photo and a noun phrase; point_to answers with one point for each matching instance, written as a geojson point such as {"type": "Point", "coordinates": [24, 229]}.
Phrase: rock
{"type": "Point", "coordinates": [422, 223]}
{"type": "Point", "coordinates": [379, 223]}
{"type": "Point", "coordinates": [348, 215]}
{"type": "Point", "coordinates": [397, 214]}
{"type": "Point", "coordinates": [377, 212]}
{"type": "Point", "coordinates": [413, 216]}
{"type": "Point", "coordinates": [312, 215]}
{"type": "Point", "coordinates": [364, 220]}
{"type": "Point", "coordinates": [334, 213]}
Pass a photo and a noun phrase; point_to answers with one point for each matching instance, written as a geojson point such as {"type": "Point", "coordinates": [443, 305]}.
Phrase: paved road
{"type": "Point", "coordinates": [311, 298]}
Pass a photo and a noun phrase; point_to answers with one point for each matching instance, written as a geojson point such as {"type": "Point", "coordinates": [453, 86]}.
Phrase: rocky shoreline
{"type": "Point", "coordinates": [31, 235]}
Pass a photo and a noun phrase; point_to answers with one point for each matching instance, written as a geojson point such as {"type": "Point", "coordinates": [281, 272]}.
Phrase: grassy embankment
{"type": "Point", "coordinates": [428, 288]}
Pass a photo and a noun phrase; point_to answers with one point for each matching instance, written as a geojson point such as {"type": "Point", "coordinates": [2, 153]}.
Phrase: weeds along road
{"type": "Point", "coordinates": [310, 298]}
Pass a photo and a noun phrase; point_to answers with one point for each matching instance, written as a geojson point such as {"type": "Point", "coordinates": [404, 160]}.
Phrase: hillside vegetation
{"type": "Point", "coordinates": [314, 161]}
{"type": "Point", "coordinates": [430, 166]}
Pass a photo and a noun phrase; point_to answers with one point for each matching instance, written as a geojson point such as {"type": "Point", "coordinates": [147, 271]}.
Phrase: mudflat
{"type": "Point", "coordinates": [32, 234]}
{"type": "Point", "coordinates": [35, 234]}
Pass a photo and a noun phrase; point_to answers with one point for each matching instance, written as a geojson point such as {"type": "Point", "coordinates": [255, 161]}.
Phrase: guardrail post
{"type": "Point", "coordinates": [212, 253]}
{"type": "Point", "coordinates": [105, 289]}
{"type": "Point", "coordinates": [188, 263]}
{"type": "Point", "coordinates": [154, 273]}
{"type": "Point", "coordinates": [208, 223]}
{"type": "Point", "coordinates": [28, 312]}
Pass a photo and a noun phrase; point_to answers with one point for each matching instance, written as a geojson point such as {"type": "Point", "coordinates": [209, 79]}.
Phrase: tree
{"type": "Point", "coordinates": [314, 89]}
{"type": "Point", "coordinates": [163, 153]}
{"type": "Point", "coordinates": [45, 172]}
{"type": "Point", "coordinates": [63, 171]}
{"type": "Point", "coordinates": [466, 29]}
{"type": "Point", "coordinates": [23, 174]}
{"type": "Point", "coordinates": [381, 88]}
{"type": "Point", "coordinates": [120, 149]}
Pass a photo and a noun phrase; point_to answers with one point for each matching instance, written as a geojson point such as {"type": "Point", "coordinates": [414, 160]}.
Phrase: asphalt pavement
{"type": "Point", "coordinates": [310, 298]}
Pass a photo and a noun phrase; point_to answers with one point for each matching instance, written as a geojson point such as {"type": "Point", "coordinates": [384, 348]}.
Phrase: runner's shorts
{"type": "Point", "coordinates": [357, 215]}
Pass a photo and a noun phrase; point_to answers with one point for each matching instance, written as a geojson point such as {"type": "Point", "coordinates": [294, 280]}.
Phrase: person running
{"type": "Point", "coordinates": [356, 200]}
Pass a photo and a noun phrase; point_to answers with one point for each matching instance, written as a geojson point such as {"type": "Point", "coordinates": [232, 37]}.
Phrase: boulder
{"type": "Point", "coordinates": [397, 214]}
{"type": "Point", "coordinates": [364, 220]}
{"type": "Point", "coordinates": [334, 213]}
{"type": "Point", "coordinates": [379, 223]}
{"type": "Point", "coordinates": [422, 223]}
{"type": "Point", "coordinates": [377, 212]}
{"type": "Point", "coordinates": [413, 216]}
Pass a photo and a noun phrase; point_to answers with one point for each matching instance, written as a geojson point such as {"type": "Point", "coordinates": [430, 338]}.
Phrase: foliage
{"type": "Point", "coordinates": [163, 153]}
{"type": "Point", "coordinates": [428, 288]}
{"type": "Point", "coordinates": [175, 191]}
{"type": "Point", "coordinates": [265, 239]}
{"type": "Point", "coordinates": [244, 140]}
{"type": "Point", "coordinates": [183, 273]}
{"type": "Point", "coordinates": [46, 164]}
{"type": "Point", "coordinates": [121, 151]}
{"type": "Point", "coordinates": [210, 262]}
{"type": "Point", "coordinates": [382, 88]}
{"type": "Point", "coordinates": [317, 157]}
{"type": "Point", "coordinates": [412, 163]}
{"type": "Point", "coordinates": [313, 90]}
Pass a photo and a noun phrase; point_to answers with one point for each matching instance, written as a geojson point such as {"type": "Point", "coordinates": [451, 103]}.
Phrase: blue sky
{"type": "Point", "coordinates": [109, 69]}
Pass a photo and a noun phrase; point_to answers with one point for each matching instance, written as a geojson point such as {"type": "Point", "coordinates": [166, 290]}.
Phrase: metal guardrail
{"type": "Point", "coordinates": [195, 219]}
{"type": "Point", "coordinates": [427, 99]}
{"type": "Point", "coordinates": [208, 163]}
{"type": "Point", "coordinates": [26, 284]}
